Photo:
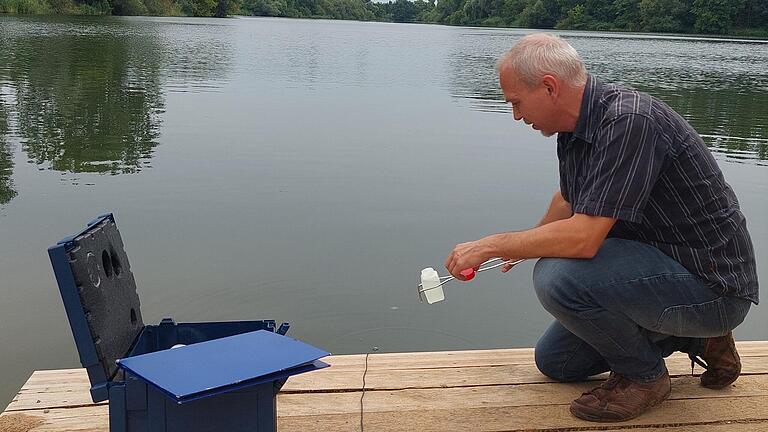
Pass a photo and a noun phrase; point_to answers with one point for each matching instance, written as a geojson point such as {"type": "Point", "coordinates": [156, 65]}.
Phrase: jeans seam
{"type": "Point", "coordinates": [641, 377]}
{"type": "Point", "coordinates": [599, 330]}
{"type": "Point", "coordinates": [673, 276]}
{"type": "Point", "coordinates": [723, 315]}
{"type": "Point", "coordinates": [570, 357]}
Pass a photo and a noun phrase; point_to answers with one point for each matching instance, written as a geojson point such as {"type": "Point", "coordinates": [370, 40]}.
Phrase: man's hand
{"type": "Point", "coordinates": [506, 267]}
{"type": "Point", "coordinates": [468, 255]}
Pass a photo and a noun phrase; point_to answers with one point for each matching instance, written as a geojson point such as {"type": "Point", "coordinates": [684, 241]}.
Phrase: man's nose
{"type": "Point", "coordinates": [516, 114]}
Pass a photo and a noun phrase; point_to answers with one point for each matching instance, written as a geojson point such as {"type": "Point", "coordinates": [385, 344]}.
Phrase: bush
{"type": "Point", "coordinates": [129, 7]}
{"type": "Point", "coordinates": [26, 7]}
{"type": "Point", "coordinates": [494, 21]}
{"type": "Point", "coordinates": [162, 7]}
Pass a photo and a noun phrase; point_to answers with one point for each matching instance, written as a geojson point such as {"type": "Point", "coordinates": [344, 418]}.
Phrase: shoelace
{"type": "Point", "coordinates": [613, 380]}
{"type": "Point", "coordinates": [696, 360]}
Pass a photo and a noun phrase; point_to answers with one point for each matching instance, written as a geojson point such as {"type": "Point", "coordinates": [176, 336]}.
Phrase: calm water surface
{"type": "Point", "coordinates": [306, 171]}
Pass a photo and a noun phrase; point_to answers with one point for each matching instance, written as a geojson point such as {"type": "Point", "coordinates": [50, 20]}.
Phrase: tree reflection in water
{"type": "Point", "coordinates": [7, 191]}
{"type": "Point", "coordinates": [86, 104]}
{"type": "Point", "coordinates": [86, 95]}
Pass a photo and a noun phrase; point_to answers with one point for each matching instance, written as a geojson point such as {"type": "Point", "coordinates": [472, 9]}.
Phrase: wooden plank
{"type": "Point", "coordinates": [473, 358]}
{"type": "Point", "coordinates": [67, 388]}
{"type": "Point", "coordinates": [728, 426]}
{"type": "Point", "coordinates": [83, 419]}
{"type": "Point", "coordinates": [440, 359]}
{"type": "Point", "coordinates": [341, 380]}
{"type": "Point", "coordinates": [533, 418]}
{"type": "Point", "coordinates": [684, 387]}
{"type": "Point", "coordinates": [697, 413]}
{"type": "Point", "coordinates": [94, 419]}
{"type": "Point", "coordinates": [75, 393]}
{"type": "Point", "coordinates": [307, 404]}
{"type": "Point", "coordinates": [492, 357]}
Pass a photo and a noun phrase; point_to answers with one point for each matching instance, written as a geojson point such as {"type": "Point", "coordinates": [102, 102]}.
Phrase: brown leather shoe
{"type": "Point", "coordinates": [620, 398]}
{"type": "Point", "coordinates": [721, 361]}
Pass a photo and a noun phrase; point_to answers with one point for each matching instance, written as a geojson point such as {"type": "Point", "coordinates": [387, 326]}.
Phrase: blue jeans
{"type": "Point", "coordinates": [625, 310]}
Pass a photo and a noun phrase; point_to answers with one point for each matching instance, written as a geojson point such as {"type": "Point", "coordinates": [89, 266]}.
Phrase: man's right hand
{"type": "Point", "coordinates": [506, 267]}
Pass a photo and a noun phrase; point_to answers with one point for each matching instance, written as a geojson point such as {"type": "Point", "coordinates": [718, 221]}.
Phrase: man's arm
{"type": "Point", "coordinates": [558, 209]}
{"type": "Point", "coordinates": [578, 236]}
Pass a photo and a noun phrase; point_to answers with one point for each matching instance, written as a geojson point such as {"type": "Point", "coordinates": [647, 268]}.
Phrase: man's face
{"type": "Point", "coordinates": [534, 105]}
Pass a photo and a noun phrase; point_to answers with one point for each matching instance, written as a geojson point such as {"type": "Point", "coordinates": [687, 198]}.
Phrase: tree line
{"type": "Point", "coordinates": [735, 17]}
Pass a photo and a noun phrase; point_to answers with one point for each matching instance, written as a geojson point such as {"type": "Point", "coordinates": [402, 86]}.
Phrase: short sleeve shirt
{"type": "Point", "coordinates": [633, 158]}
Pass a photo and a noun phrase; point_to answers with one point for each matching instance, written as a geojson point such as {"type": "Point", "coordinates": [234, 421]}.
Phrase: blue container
{"type": "Point", "coordinates": [225, 377]}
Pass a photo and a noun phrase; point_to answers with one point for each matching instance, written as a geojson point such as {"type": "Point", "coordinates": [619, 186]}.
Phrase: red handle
{"type": "Point", "coordinates": [468, 274]}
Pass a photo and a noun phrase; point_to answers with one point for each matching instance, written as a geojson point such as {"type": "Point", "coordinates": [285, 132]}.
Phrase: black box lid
{"type": "Point", "coordinates": [99, 293]}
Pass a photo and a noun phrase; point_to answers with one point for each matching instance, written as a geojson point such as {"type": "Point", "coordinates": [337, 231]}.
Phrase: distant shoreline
{"type": "Point", "coordinates": [733, 37]}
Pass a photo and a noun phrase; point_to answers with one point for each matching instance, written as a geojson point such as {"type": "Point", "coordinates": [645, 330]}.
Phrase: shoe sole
{"type": "Point", "coordinates": [596, 418]}
{"type": "Point", "coordinates": [720, 386]}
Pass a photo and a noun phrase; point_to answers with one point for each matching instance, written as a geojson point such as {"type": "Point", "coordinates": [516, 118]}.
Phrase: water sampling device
{"type": "Point", "coordinates": [431, 287]}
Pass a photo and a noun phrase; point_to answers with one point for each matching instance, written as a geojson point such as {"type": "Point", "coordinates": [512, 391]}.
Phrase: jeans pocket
{"type": "Point", "coordinates": [700, 320]}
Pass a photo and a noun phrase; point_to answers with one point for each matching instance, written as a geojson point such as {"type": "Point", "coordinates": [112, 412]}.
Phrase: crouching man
{"type": "Point", "coordinates": [644, 250]}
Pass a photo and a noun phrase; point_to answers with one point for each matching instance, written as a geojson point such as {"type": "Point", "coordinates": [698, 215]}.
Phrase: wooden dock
{"type": "Point", "coordinates": [482, 390]}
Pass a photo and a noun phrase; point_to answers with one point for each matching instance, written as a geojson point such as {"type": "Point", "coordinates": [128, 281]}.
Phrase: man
{"type": "Point", "coordinates": [644, 249]}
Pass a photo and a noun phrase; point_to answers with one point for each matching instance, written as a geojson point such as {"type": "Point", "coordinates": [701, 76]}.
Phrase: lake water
{"type": "Point", "coordinates": [306, 171]}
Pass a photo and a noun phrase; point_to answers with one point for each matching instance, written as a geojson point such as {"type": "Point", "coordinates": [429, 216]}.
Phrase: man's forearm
{"type": "Point", "coordinates": [559, 238]}
{"type": "Point", "coordinates": [561, 234]}
{"type": "Point", "coordinates": [558, 209]}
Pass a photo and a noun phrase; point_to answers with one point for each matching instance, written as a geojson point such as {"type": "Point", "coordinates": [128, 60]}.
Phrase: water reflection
{"type": "Point", "coordinates": [85, 103]}
{"type": "Point", "coordinates": [6, 161]}
{"type": "Point", "coordinates": [721, 88]}
{"type": "Point", "coordinates": [733, 124]}
{"type": "Point", "coordinates": [196, 55]}
{"type": "Point", "coordinates": [86, 95]}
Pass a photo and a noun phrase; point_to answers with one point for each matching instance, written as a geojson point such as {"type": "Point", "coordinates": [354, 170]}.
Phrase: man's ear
{"type": "Point", "coordinates": [551, 84]}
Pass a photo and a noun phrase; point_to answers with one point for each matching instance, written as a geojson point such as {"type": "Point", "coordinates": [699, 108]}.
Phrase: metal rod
{"type": "Point", "coordinates": [450, 278]}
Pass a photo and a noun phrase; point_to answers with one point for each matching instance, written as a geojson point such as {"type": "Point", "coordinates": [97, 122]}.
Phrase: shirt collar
{"type": "Point", "coordinates": [590, 103]}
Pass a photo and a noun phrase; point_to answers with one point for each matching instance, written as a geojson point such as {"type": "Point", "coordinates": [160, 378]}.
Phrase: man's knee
{"type": "Point", "coordinates": [566, 366]}
{"type": "Point", "coordinates": [550, 362]}
{"type": "Point", "coordinates": [545, 363]}
{"type": "Point", "coordinates": [551, 280]}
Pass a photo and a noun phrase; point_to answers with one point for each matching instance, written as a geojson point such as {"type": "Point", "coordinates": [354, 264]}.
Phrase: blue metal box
{"type": "Point", "coordinates": [225, 377]}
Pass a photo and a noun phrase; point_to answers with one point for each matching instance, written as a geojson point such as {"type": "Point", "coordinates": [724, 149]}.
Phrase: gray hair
{"type": "Point", "coordinates": [539, 54]}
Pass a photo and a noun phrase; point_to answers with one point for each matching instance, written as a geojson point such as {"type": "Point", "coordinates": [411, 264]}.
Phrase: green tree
{"type": "Point", "coordinates": [203, 8]}
{"type": "Point", "coordinates": [162, 7]}
{"type": "Point", "coordinates": [271, 8]}
{"type": "Point", "coordinates": [129, 7]}
{"type": "Point", "coordinates": [510, 9]}
{"type": "Point", "coordinates": [575, 19]}
{"type": "Point", "coordinates": [599, 12]}
{"type": "Point", "coordinates": [458, 18]}
{"type": "Point", "coordinates": [403, 11]}
{"type": "Point", "coordinates": [753, 15]}
{"type": "Point", "coordinates": [541, 14]}
{"type": "Point", "coordinates": [444, 9]}
{"type": "Point", "coordinates": [662, 15]}
{"type": "Point", "coordinates": [715, 16]}
{"type": "Point", "coordinates": [626, 14]}
{"type": "Point", "coordinates": [226, 7]}
{"type": "Point", "coordinates": [478, 10]}
{"type": "Point", "coordinates": [474, 11]}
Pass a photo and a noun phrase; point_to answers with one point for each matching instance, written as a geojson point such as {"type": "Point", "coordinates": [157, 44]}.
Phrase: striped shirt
{"type": "Point", "coordinates": [631, 157]}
